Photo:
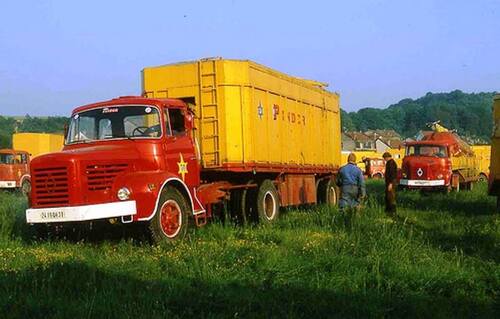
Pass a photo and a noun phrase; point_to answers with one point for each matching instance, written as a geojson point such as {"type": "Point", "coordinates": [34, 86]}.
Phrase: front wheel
{"type": "Point", "coordinates": [170, 222]}
{"type": "Point", "coordinates": [377, 176]}
{"type": "Point", "coordinates": [26, 188]}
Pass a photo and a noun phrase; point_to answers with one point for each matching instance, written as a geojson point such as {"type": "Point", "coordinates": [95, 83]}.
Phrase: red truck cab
{"type": "Point", "coordinates": [15, 170]}
{"type": "Point", "coordinates": [374, 167]}
{"type": "Point", "coordinates": [118, 157]}
{"type": "Point", "coordinates": [426, 164]}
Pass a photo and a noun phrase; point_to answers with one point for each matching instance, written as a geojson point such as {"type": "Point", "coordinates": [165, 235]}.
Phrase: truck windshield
{"type": "Point", "coordinates": [426, 150]}
{"type": "Point", "coordinates": [6, 159]}
{"type": "Point", "coordinates": [116, 122]}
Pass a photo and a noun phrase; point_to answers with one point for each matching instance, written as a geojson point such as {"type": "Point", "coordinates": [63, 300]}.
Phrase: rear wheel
{"type": "Point", "coordinates": [482, 178]}
{"type": "Point", "coordinates": [240, 204]}
{"type": "Point", "coordinates": [327, 192]}
{"type": "Point", "coordinates": [170, 222]}
{"type": "Point", "coordinates": [267, 202]}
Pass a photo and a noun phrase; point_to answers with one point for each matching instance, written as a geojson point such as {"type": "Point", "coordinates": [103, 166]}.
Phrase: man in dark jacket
{"type": "Point", "coordinates": [351, 183]}
{"type": "Point", "coordinates": [391, 175]}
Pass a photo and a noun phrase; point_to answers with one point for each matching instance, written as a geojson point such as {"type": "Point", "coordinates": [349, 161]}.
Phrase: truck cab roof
{"type": "Point", "coordinates": [11, 151]}
{"type": "Point", "coordinates": [437, 143]}
{"type": "Point", "coordinates": [127, 100]}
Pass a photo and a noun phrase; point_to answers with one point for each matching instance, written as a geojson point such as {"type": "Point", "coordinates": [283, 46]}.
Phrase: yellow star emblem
{"type": "Point", "coordinates": [183, 167]}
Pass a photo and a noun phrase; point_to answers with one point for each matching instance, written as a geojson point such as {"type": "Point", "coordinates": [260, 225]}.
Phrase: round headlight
{"type": "Point", "coordinates": [440, 176]}
{"type": "Point", "coordinates": [123, 193]}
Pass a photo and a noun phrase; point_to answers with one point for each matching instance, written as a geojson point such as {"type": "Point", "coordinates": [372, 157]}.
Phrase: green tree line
{"type": "Point", "coordinates": [9, 125]}
{"type": "Point", "coordinates": [468, 113]}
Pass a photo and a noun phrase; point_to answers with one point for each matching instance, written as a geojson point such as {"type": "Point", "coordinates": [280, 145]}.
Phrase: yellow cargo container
{"type": "Point", "coordinates": [483, 155]}
{"type": "Point", "coordinates": [37, 143]}
{"type": "Point", "coordinates": [494, 181]}
{"type": "Point", "coordinates": [247, 114]}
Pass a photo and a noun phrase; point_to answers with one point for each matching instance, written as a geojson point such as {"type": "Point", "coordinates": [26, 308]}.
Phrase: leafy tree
{"type": "Point", "coordinates": [470, 114]}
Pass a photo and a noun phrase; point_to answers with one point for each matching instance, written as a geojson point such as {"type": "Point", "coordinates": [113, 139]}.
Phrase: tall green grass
{"type": "Point", "coordinates": [439, 259]}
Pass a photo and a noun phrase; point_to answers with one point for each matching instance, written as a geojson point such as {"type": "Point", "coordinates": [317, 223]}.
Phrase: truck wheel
{"type": "Point", "coordinates": [171, 219]}
{"type": "Point", "coordinates": [26, 188]}
{"type": "Point", "coordinates": [470, 186]}
{"type": "Point", "coordinates": [267, 202]}
{"type": "Point", "coordinates": [237, 206]}
{"type": "Point", "coordinates": [482, 178]}
{"type": "Point", "coordinates": [327, 192]}
{"type": "Point", "coordinates": [240, 204]}
{"type": "Point", "coordinates": [377, 176]}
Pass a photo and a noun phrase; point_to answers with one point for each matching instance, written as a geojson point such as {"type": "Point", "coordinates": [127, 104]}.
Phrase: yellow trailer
{"type": "Point", "coordinates": [37, 143]}
{"type": "Point", "coordinates": [494, 179]}
{"type": "Point", "coordinates": [483, 155]}
{"type": "Point", "coordinates": [250, 116]}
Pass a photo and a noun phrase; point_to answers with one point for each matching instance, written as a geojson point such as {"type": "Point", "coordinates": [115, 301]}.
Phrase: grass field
{"type": "Point", "coordinates": [440, 260]}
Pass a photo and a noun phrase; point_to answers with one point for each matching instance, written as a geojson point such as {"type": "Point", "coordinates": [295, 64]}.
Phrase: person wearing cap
{"type": "Point", "coordinates": [351, 183]}
{"type": "Point", "coordinates": [391, 175]}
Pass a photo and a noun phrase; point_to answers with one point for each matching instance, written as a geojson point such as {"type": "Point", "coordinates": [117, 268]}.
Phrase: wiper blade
{"type": "Point", "coordinates": [85, 141]}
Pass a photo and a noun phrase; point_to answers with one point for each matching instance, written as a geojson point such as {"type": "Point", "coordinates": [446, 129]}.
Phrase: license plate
{"type": "Point", "coordinates": [50, 215]}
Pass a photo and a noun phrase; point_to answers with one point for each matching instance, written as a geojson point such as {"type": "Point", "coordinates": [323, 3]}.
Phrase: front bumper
{"type": "Point", "coordinates": [421, 182]}
{"type": "Point", "coordinates": [80, 213]}
{"type": "Point", "coordinates": [7, 184]}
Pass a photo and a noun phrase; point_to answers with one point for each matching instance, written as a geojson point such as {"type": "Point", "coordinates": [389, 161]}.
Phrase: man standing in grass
{"type": "Point", "coordinates": [391, 175]}
{"type": "Point", "coordinates": [351, 183]}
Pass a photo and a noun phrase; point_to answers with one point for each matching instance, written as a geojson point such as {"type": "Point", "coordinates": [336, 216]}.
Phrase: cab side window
{"type": "Point", "coordinates": [17, 159]}
{"type": "Point", "coordinates": [176, 122]}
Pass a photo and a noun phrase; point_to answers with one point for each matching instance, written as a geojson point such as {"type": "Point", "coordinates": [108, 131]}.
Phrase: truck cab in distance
{"type": "Point", "coordinates": [15, 170]}
{"type": "Point", "coordinates": [441, 160]}
{"type": "Point", "coordinates": [426, 164]}
{"type": "Point", "coordinates": [374, 167]}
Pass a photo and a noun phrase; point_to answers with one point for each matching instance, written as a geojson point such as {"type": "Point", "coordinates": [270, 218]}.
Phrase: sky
{"type": "Point", "coordinates": [56, 55]}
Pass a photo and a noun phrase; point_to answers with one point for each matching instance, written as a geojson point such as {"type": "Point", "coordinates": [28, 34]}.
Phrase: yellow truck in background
{"type": "Point", "coordinates": [37, 143]}
{"type": "Point", "coordinates": [494, 179]}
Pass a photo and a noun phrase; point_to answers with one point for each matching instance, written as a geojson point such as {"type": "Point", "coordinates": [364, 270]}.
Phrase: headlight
{"type": "Point", "coordinates": [440, 176]}
{"type": "Point", "coordinates": [404, 175]}
{"type": "Point", "coordinates": [123, 193]}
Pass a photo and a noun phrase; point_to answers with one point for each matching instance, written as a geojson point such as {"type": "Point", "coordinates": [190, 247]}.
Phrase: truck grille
{"type": "Point", "coordinates": [101, 176]}
{"type": "Point", "coordinates": [51, 187]}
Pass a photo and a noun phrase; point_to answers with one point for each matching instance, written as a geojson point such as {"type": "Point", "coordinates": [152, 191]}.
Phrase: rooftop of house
{"type": "Point", "coordinates": [359, 137]}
